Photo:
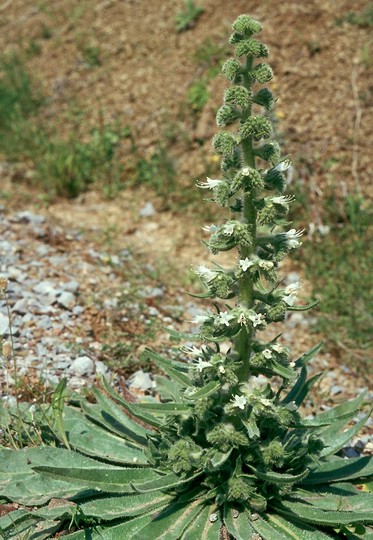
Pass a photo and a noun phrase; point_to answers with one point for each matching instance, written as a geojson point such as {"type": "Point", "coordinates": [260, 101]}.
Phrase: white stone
{"type": "Point", "coordinates": [67, 300]}
{"type": "Point", "coordinates": [82, 366]}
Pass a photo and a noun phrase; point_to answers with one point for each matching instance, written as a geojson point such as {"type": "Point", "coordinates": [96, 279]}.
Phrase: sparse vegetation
{"type": "Point", "coordinates": [187, 18]}
{"type": "Point", "coordinates": [363, 19]}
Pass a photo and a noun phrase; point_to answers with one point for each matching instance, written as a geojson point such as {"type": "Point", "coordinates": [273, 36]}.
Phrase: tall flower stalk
{"type": "Point", "coordinates": [221, 455]}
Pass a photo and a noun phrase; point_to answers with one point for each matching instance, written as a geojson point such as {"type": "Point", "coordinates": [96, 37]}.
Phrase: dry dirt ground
{"type": "Point", "coordinates": [323, 80]}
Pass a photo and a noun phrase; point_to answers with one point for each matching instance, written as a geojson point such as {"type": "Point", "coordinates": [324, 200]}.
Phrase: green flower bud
{"type": "Point", "coordinates": [235, 38]}
{"type": "Point", "coordinates": [231, 162]}
{"type": "Point", "coordinates": [229, 235]}
{"type": "Point", "coordinates": [262, 73]}
{"type": "Point", "coordinates": [251, 47]}
{"type": "Point", "coordinates": [232, 70]}
{"type": "Point", "coordinates": [238, 96]}
{"type": "Point", "coordinates": [225, 436]}
{"type": "Point", "coordinates": [256, 127]}
{"type": "Point", "coordinates": [239, 490]}
{"type": "Point", "coordinates": [269, 152]}
{"type": "Point", "coordinates": [244, 24]}
{"type": "Point", "coordinates": [226, 115]}
{"type": "Point", "coordinates": [222, 193]}
{"type": "Point", "coordinates": [273, 454]}
{"type": "Point", "coordinates": [276, 313]}
{"type": "Point", "coordinates": [221, 286]}
{"type": "Point", "coordinates": [275, 179]}
{"type": "Point", "coordinates": [224, 142]}
{"type": "Point", "coordinates": [264, 98]}
{"type": "Point", "coordinates": [184, 455]}
{"type": "Point", "coordinates": [247, 178]}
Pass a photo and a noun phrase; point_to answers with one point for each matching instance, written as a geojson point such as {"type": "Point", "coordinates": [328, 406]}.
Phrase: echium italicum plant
{"type": "Point", "coordinates": [222, 455]}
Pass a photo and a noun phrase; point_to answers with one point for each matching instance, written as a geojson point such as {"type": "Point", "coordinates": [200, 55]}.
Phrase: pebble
{"type": "Point", "coordinates": [82, 365]}
{"type": "Point", "coordinates": [66, 300]}
{"type": "Point", "coordinates": [140, 380]}
{"type": "Point", "coordinates": [147, 211]}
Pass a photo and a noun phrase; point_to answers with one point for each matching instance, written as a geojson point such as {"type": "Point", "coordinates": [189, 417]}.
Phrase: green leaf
{"type": "Point", "coordinates": [303, 308]}
{"type": "Point", "coordinates": [112, 532]}
{"type": "Point", "coordinates": [171, 522]}
{"type": "Point", "coordinates": [22, 524]}
{"type": "Point", "coordinates": [279, 478]}
{"type": "Point", "coordinates": [283, 371]}
{"type": "Point", "coordinates": [175, 370]}
{"type": "Point", "coordinates": [340, 470]}
{"type": "Point", "coordinates": [110, 410]}
{"type": "Point", "coordinates": [202, 528]}
{"type": "Point", "coordinates": [178, 336]}
{"type": "Point", "coordinates": [167, 481]}
{"type": "Point", "coordinates": [20, 483]}
{"type": "Point", "coordinates": [274, 527]}
{"type": "Point", "coordinates": [205, 391]}
{"type": "Point", "coordinates": [142, 416]}
{"type": "Point", "coordinates": [309, 355]}
{"type": "Point", "coordinates": [345, 410]}
{"type": "Point", "coordinates": [251, 427]}
{"type": "Point", "coordinates": [92, 440]}
{"type": "Point", "coordinates": [301, 388]}
{"type": "Point", "coordinates": [322, 518]}
{"type": "Point", "coordinates": [106, 479]}
{"type": "Point", "coordinates": [343, 498]}
{"type": "Point", "coordinates": [238, 523]}
{"type": "Point", "coordinates": [219, 458]}
{"type": "Point", "coordinates": [109, 508]}
{"type": "Point", "coordinates": [167, 389]}
{"type": "Point", "coordinates": [340, 441]}
{"type": "Point", "coordinates": [164, 408]}
{"type": "Point", "coordinates": [58, 401]}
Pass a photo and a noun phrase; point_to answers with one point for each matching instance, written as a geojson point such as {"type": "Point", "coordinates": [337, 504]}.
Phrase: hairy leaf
{"type": "Point", "coordinates": [340, 470]}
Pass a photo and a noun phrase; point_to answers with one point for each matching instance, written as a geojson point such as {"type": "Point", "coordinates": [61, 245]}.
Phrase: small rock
{"type": "Point", "coordinates": [66, 300]}
{"type": "Point", "coordinates": [71, 286]}
{"type": "Point", "coordinates": [140, 380]}
{"type": "Point", "coordinates": [336, 389]}
{"type": "Point", "coordinates": [82, 366]}
{"type": "Point", "coordinates": [292, 277]}
{"type": "Point", "coordinates": [4, 324]}
{"type": "Point", "coordinates": [101, 368]}
{"type": "Point", "coordinates": [147, 211]}
{"type": "Point", "coordinates": [28, 217]}
{"type": "Point", "coordinates": [152, 292]}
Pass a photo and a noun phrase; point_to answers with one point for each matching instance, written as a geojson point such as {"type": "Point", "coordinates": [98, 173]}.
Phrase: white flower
{"type": "Point", "coordinates": [284, 200]}
{"type": "Point", "coordinates": [267, 353]}
{"type": "Point", "coordinates": [200, 319]}
{"type": "Point", "coordinates": [290, 293]}
{"type": "Point", "coordinates": [278, 348]}
{"type": "Point", "coordinates": [283, 165]}
{"type": "Point", "coordinates": [257, 319]}
{"type": "Point", "coordinates": [209, 228]}
{"type": "Point", "coordinates": [221, 369]}
{"type": "Point", "coordinates": [202, 364]}
{"type": "Point", "coordinates": [246, 171]}
{"type": "Point", "coordinates": [245, 264]}
{"type": "Point", "coordinates": [239, 401]}
{"type": "Point", "coordinates": [206, 273]}
{"type": "Point", "coordinates": [210, 183]}
{"type": "Point", "coordinates": [292, 238]}
{"type": "Point", "coordinates": [225, 317]}
{"type": "Point", "coordinates": [192, 351]}
{"type": "Point", "coordinates": [266, 265]}
{"type": "Point", "coordinates": [228, 228]}
{"type": "Point", "coordinates": [266, 402]}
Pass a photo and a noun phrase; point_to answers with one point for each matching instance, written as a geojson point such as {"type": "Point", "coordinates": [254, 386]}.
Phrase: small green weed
{"type": "Point", "coordinates": [210, 55]}
{"type": "Point", "coordinates": [338, 265]}
{"type": "Point", "coordinates": [363, 19]}
{"type": "Point", "coordinates": [187, 18]}
{"type": "Point", "coordinates": [198, 95]}
{"type": "Point", "coordinates": [91, 56]}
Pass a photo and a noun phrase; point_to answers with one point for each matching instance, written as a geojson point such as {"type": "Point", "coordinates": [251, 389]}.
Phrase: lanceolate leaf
{"type": "Point", "coordinates": [94, 441]}
{"type": "Point", "coordinates": [238, 524]}
{"type": "Point", "coordinates": [279, 478]}
{"type": "Point", "coordinates": [167, 389]}
{"type": "Point", "coordinates": [340, 470]}
{"type": "Point", "coordinates": [283, 371]}
{"type": "Point", "coordinates": [115, 480]}
{"type": "Point", "coordinates": [339, 442]}
{"type": "Point", "coordinates": [204, 526]}
{"type": "Point", "coordinates": [205, 391]}
{"type": "Point", "coordinates": [163, 408]}
{"type": "Point", "coordinates": [165, 482]}
{"type": "Point", "coordinates": [58, 402]}
{"type": "Point", "coordinates": [274, 527]}
{"type": "Point", "coordinates": [303, 308]}
{"type": "Point", "coordinates": [142, 416]}
{"type": "Point", "coordinates": [171, 522]}
{"type": "Point", "coordinates": [342, 499]}
{"type": "Point", "coordinates": [309, 355]}
{"type": "Point", "coordinates": [109, 508]}
{"type": "Point", "coordinates": [20, 483]}
{"type": "Point", "coordinates": [345, 410]}
{"type": "Point", "coordinates": [301, 388]}
{"type": "Point", "coordinates": [321, 517]}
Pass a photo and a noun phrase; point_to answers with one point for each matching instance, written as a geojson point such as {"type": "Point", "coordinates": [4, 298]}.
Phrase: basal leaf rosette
{"type": "Point", "coordinates": [222, 451]}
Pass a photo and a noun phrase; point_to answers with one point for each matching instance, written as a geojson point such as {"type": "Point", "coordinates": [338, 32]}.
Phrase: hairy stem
{"type": "Point", "coordinates": [248, 216]}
